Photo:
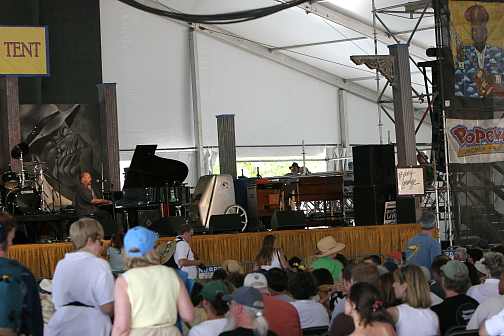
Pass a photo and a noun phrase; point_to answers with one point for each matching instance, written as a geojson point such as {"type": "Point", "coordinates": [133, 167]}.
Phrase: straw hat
{"type": "Point", "coordinates": [232, 266]}
{"type": "Point", "coordinates": [328, 246]}
{"type": "Point", "coordinates": [166, 250]}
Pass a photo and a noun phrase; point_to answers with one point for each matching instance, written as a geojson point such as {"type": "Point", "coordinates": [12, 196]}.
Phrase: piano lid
{"type": "Point", "coordinates": [149, 170]}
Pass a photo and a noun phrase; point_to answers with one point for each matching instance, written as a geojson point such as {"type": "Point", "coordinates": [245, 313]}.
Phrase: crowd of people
{"type": "Point", "coordinates": [144, 287]}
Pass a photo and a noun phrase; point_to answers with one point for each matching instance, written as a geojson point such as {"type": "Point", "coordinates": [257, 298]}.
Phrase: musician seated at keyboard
{"type": "Point", "coordinates": [295, 169]}
{"type": "Point", "coordinates": [86, 202]}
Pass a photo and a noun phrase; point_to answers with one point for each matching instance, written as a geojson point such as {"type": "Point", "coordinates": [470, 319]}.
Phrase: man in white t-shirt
{"type": "Point", "coordinates": [494, 261]}
{"type": "Point", "coordinates": [493, 326]}
{"type": "Point", "coordinates": [488, 308]}
{"type": "Point", "coordinates": [184, 256]}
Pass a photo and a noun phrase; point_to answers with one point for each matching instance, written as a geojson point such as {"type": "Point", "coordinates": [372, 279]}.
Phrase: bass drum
{"type": "Point", "coordinates": [25, 201]}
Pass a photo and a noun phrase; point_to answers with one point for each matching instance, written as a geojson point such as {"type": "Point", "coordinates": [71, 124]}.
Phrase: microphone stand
{"type": "Point", "coordinates": [58, 152]}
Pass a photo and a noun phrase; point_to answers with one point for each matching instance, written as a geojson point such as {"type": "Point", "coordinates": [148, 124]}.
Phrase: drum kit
{"type": "Point", "coordinates": [21, 191]}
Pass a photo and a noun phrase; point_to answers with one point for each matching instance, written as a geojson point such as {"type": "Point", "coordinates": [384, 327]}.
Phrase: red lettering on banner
{"type": "Point", "coordinates": [480, 135]}
{"type": "Point", "coordinates": [470, 137]}
{"type": "Point", "coordinates": [459, 133]}
{"type": "Point", "coordinates": [490, 135]}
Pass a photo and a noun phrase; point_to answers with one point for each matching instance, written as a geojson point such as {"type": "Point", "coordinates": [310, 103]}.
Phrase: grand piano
{"type": "Point", "coordinates": [151, 183]}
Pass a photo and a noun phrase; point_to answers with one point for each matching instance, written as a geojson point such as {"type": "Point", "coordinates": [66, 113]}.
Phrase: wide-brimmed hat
{"type": "Point", "coordinates": [294, 164]}
{"type": "Point", "coordinates": [232, 266]}
{"type": "Point", "coordinates": [328, 246]}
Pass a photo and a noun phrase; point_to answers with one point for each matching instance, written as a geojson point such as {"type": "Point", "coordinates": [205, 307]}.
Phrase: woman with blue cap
{"type": "Point", "coordinates": [148, 296]}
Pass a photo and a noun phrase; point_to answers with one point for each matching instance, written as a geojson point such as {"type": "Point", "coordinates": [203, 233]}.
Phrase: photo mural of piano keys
{"type": "Point", "coordinates": [477, 45]}
{"type": "Point", "coordinates": [63, 140]}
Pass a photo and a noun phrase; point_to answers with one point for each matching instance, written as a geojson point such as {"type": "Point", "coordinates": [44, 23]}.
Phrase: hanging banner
{"type": "Point", "coordinates": [475, 141]}
{"type": "Point", "coordinates": [23, 51]}
{"type": "Point", "coordinates": [477, 45]}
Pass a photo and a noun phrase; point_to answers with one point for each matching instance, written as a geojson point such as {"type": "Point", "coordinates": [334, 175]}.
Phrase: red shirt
{"type": "Point", "coordinates": [282, 317]}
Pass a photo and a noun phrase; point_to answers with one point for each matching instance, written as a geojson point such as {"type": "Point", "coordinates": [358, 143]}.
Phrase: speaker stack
{"type": "Point", "coordinates": [374, 182]}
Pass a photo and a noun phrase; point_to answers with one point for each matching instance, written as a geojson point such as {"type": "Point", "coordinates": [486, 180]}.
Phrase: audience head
{"type": "Point", "coordinates": [186, 231]}
{"type": "Point", "coordinates": [346, 276]}
{"type": "Point", "coordinates": [265, 254]}
{"type": "Point", "coordinates": [256, 280]}
{"type": "Point", "coordinates": [494, 261]}
{"type": "Point", "coordinates": [236, 279]}
{"type": "Point", "coordinates": [213, 293]}
{"type": "Point", "coordinates": [373, 259]}
{"type": "Point", "coordinates": [219, 274]}
{"type": "Point", "coordinates": [139, 247]}
{"type": "Point", "coordinates": [87, 233]}
{"type": "Point", "coordinates": [277, 280]}
{"type": "Point", "coordinates": [117, 240]}
{"type": "Point", "coordinates": [328, 247]}
{"type": "Point", "coordinates": [455, 277]}
{"type": "Point", "coordinates": [366, 306]}
{"type": "Point", "coordinates": [438, 262]}
{"type": "Point", "coordinates": [367, 273]}
{"type": "Point", "coordinates": [460, 254]}
{"type": "Point", "coordinates": [323, 277]}
{"type": "Point", "coordinates": [475, 254]}
{"type": "Point", "coordinates": [411, 287]}
{"type": "Point", "coordinates": [387, 290]}
{"type": "Point", "coordinates": [246, 309]}
{"type": "Point", "coordinates": [302, 285]}
{"type": "Point", "coordinates": [342, 259]}
{"type": "Point", "coordinates": [7, 231]}
{"type": "Point", "coordinates": [498, 248]}
{"type": "Point", "coordinates": [427, 221]}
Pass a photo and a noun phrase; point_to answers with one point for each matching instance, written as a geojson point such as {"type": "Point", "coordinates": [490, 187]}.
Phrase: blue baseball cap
{"type": "Point", "coordinates": [139, 241]}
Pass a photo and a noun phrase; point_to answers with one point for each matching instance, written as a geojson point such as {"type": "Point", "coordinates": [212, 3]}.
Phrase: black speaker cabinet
{"type": "Point", "coordinates": [168, 226]}
{"type": "Point", "coordinates": [374, 165]}
{"type": "Point", "coordinates": [225, 223]}
{"type": "Point", "coordinates": [406, 211]}
{"type": "Point", "coordinates": [283, 220]}
{"type": "Point", "coordinates": [369, 203]}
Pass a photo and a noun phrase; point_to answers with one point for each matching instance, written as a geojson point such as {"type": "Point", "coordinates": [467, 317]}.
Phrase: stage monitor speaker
{"type": "Point", "coordinates": [406, 210]}
{"type": "Point", "coordinates": [225, 223]}
{"type": "Point", "coordinates": [168, 226]}
{"type": "Point", "coordinates": [374, 165]}
{"type": "Point", "coordinates": [369, 203]}
{"type": "Point", "coordinates": [284, 220]}
{"type": "Point", "coordinates": [148, 217]}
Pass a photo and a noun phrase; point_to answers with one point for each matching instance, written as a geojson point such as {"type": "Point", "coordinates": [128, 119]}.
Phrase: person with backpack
{"type": "Point", "coordinates": [184, 256]}
{"type": "Point", "coordinates": [20, 309]}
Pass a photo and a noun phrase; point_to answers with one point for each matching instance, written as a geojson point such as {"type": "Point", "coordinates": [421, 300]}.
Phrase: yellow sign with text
{"type": "Point", "coordinates": [23, 51]}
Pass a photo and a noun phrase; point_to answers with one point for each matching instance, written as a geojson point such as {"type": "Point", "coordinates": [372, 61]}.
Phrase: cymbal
{"type": "Point", "coordinates": [35, 163]}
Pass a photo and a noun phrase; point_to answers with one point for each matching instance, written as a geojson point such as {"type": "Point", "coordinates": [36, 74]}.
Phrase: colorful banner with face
{"type": "Point", "coordinates": [24, 51]}
{"type": "Point", "coordinates": [477, 44]}
{"type": "Point", "coordinates": [475, 141]}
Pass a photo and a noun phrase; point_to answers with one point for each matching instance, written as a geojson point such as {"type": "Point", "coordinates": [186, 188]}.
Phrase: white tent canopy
{"type": "Point", "coordinates": [281, 90]}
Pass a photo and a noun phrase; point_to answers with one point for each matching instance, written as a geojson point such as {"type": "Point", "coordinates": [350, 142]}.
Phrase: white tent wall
{"type": "Point", "coordinates": [363, 124]}
{"type": "Point", "coordinates": [272, 104]}
{"type": "Point", "coordinates": [148, 57]}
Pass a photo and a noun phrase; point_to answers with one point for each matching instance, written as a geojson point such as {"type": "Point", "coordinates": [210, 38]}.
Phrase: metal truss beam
{"type": "Point", "coordinates": [295, 46]}
{"type": "Point", "coordinates": [288, 61]}
{"type": "Point", "coordinates": [328, 12]}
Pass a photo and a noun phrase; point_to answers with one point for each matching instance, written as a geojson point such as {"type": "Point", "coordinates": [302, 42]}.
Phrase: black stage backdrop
{"type": "Point", "coordinates": [74, 44]}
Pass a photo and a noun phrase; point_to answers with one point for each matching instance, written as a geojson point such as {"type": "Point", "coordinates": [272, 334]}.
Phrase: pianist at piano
{"type": "Point", "coordinates": [86, 202]}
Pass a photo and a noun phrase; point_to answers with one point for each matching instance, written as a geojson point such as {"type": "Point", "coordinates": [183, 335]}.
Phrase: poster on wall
{"type": "Point", "coordinates": [477, 47]}
{"type": "Point", "coordinates": [475, 141]}
{"type": "Point", "coordinates": [63, 141]}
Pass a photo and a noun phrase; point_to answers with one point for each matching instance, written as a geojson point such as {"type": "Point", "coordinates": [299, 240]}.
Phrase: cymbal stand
{"type": "Point", "coordinates": [23, 177]}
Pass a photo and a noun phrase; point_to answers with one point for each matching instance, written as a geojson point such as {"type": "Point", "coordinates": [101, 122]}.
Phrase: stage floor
{"type": "Point", "coordinates": [213, 249]}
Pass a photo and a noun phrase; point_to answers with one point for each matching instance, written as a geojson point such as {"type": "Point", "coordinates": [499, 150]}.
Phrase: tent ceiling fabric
{"type": "Point", "coordinates": [296, 27]}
